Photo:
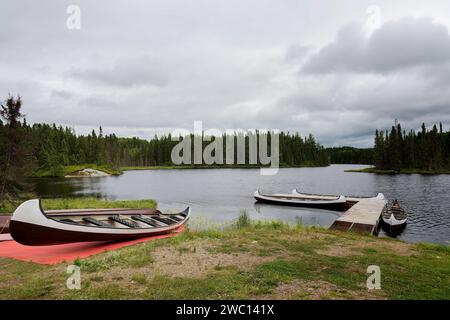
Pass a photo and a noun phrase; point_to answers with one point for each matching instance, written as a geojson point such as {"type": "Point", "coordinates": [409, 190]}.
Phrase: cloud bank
{"type": "Point", "coordinates": [150, 67]}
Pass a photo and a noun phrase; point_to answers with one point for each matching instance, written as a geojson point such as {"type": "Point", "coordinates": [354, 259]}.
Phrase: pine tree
{"type": "Point", "coordinates": [15, 156]}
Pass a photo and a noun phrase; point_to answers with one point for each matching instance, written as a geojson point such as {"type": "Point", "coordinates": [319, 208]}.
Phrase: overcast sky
{"type": "Point", "coordinates": [332, 68]}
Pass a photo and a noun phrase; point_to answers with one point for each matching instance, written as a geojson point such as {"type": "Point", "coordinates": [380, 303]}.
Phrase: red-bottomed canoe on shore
{"type": "Point", "coordinates": [338, 203]}
{"type": "Point", "coordinates": [30, 225]}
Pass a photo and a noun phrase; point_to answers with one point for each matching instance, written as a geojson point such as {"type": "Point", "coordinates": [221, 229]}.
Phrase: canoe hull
{"type": "Point", "coordinates": [45, 236]}
{"type": "Point", "coordinates": [31, 226]}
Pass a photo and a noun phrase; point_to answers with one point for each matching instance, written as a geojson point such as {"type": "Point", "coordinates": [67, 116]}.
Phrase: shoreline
{"type": "Point", "coordinates": [70, 171]}
{"type": "Point", "coordinates": [401, 171]}
{"type": "Point", "coordinates": [187, 167]}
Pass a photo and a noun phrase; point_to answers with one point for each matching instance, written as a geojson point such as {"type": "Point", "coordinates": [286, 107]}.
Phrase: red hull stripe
{"type": "Point", "coordinates": [67, 252]}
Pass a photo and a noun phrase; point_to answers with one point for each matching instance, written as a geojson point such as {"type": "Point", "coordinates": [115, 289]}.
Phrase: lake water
{"type": "Point", "coordinates": [217, 196]}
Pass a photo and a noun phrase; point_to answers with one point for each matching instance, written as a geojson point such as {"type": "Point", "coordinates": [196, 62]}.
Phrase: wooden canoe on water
{"type": "Point", "coordinates": [30, 225]}
{"type": "Point", "coordinates": [394, 216]}
{"type": "Point", "coordinates": [293, 200]}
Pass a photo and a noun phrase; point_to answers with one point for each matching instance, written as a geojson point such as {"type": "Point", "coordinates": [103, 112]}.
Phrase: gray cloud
{"type": "Point", "coordinates": [150, 66]}
{"type": "Point", "coordinates": [139, 71]}
{"type": "Point", "coordinates": [396, 45]}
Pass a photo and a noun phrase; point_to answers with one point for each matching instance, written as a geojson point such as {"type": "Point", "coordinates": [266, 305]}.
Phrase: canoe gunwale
{"type": "Point", "coordinates": [52, 217]}
{"type": "Point", "coordinates": [378, 196]}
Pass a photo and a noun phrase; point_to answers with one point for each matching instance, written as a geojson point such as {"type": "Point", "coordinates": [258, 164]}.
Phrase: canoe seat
{"type": "Point", "coordinates": [125, 222]}
{"type": "Point", "coordinates": [145, 220]}
{"type": "Point", "coordinates": [163, 220]}
{"type": "Point", "coordinates": [96, 222]}
{"type": "Point", "coordinates": [176, 218]}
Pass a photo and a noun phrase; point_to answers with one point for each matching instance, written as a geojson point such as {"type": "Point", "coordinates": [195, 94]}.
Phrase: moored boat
{"type": "Point", "coordinates": [337, 203]}
{"type": "Point", "coordinates": [379, 196]}
{"type": "Point", "coordinates": [394, 216]}
{"type": "Point", "coordinates": [30, 225]}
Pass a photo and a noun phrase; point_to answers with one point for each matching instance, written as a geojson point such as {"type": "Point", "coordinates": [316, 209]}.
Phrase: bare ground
{"type": "Point", "coordinates": [316, 290]}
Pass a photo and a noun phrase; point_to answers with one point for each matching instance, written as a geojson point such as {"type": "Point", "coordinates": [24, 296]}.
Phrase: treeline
{"type": "Point", "coordinates": [350, 155]}
{"type": "Point", "coordinates": [55, 146]}
{"type": "Point", "coordinates": [426, 149]}
{"type": "Point", "coordinates": [52, 147]}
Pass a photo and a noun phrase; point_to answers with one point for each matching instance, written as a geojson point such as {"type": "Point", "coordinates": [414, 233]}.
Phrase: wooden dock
{"type": "Point", "coordinates": [362, 217]}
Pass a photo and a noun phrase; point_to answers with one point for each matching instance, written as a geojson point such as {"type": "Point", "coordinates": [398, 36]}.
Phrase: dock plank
{"type": "Point", "coordinates": [362, 216]}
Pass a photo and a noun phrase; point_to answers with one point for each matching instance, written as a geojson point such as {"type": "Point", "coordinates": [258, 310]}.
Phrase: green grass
{"type": "Point", "coordinates": [288, 254]}
{"type": "Point", "coordinates": [401, 171]}
{"type": "Point", "coordinates": [243, 221]}
{"type": "Point", "coordinates": [62, 171]}
{"type": "Point", "coordinates": [81, 203]}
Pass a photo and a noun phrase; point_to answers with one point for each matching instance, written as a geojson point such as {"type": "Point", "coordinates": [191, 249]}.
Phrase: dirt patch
{"type": "Point", "coordinates": [315, 290]}
{"type": "Point", "coordinates": [401, 248]}
{"type": "Point", "coordinates": [192, 261]}
{"type": "Point", "coordinates": [340, 250]}
{"type": "Point", "coordinates": [168, 262]}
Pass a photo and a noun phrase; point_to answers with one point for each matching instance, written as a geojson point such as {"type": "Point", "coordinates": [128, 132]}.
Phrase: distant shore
{"type": "Point", "coordinates": [74, 171]}
{"type": "Point", "coordinates": [401, 171]}
{"type": "Point", "coordinates": [204, 166]}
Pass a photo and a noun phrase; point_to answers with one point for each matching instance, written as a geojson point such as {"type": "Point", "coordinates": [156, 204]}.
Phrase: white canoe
{"type": "Point", "coordinates": [379, 196]}
{"type": "Point", "coordinates": [293, 200]}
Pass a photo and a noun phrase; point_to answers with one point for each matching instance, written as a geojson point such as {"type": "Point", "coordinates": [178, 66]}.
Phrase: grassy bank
{"type": "Point", "coordinates": [62, 171]}
{"type": "Point", "coordinates": [401, 171]}
{"type": "Point", "coordinates": [247, 261]}
{"type": "Point", "coordinates": [80, 203]}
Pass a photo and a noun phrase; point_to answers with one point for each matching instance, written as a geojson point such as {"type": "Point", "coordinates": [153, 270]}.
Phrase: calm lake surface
{"type": "Point", "coordinates": [217, 196]}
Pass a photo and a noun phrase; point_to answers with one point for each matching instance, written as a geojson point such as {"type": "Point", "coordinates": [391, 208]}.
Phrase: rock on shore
{"type": "Point", "coordinates": [87, 173]}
